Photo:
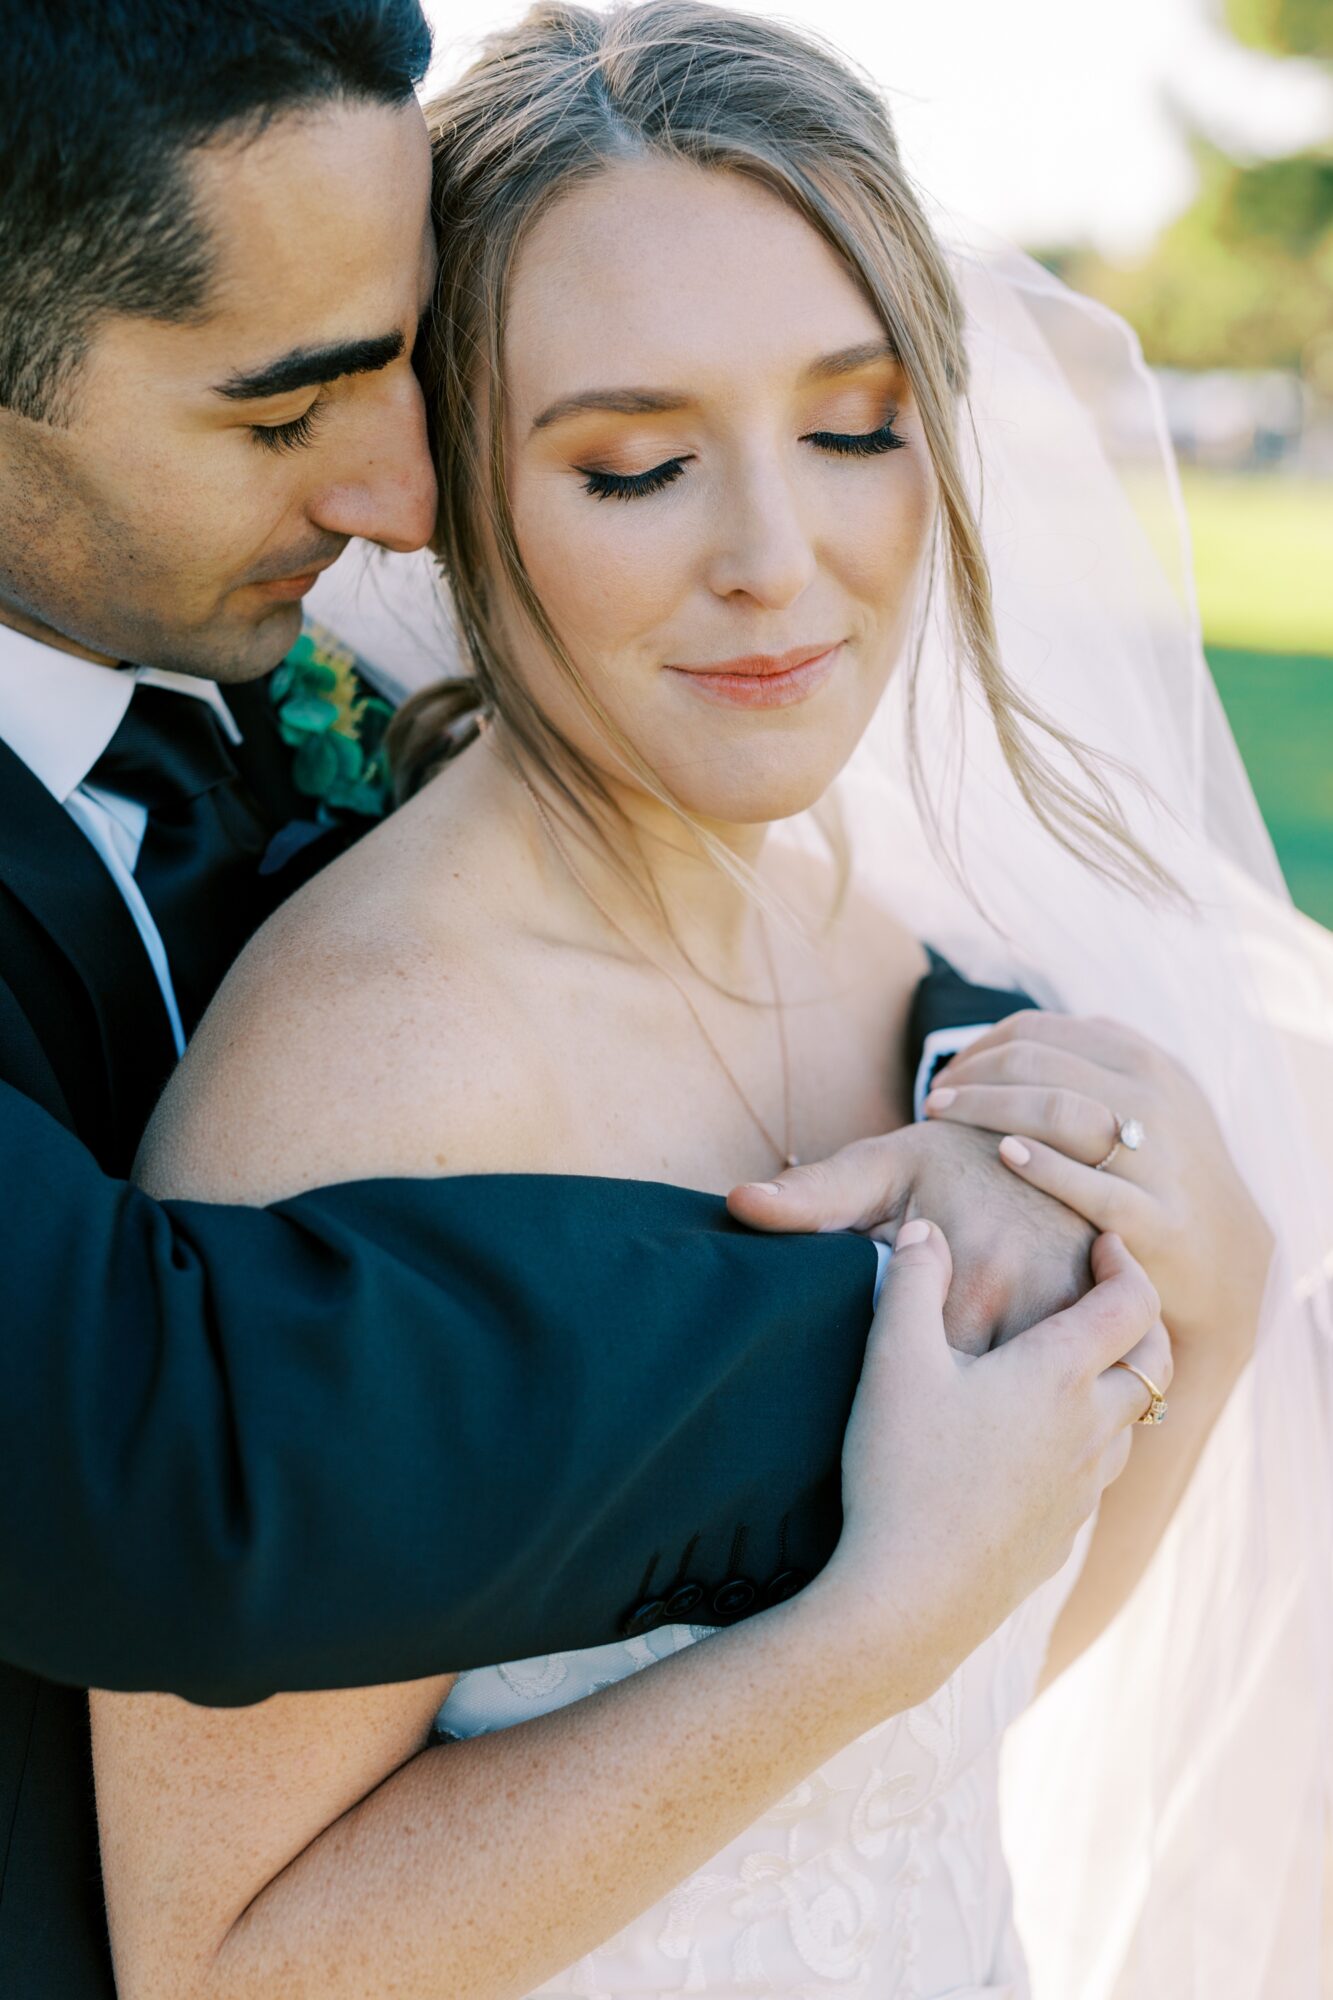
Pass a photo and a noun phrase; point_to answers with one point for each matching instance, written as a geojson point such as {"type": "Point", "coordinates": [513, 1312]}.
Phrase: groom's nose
{"type": "Point", "coordinates": [382, 486]}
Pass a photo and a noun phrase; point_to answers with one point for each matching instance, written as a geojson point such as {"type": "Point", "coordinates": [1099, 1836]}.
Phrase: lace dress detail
{"type": "Point", "coordinates": [880, 1877]}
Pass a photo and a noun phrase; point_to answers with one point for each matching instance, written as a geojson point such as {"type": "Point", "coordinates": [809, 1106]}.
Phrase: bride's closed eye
{"type": "Point", "coordinates": [631, 485]}
{"type": "Point", "coordinates": [637, 485]}
{"type": "Point", "coordinates": [859, 444]}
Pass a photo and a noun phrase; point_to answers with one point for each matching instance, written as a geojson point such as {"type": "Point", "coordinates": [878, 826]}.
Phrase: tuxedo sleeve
{"type": "Point", "coordinates": [396, 1428]}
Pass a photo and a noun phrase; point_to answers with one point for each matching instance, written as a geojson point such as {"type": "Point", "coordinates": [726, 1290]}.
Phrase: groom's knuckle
{"type": "Point", "coordinates": [817, 1179]}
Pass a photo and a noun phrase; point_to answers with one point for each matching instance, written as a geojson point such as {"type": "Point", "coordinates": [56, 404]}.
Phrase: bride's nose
{"type": "Point", "coordinates": [762, 546]}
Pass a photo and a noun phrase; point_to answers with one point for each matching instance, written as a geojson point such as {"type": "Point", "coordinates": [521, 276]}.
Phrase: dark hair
{"type": "Point", "coordinates": [101, 101]}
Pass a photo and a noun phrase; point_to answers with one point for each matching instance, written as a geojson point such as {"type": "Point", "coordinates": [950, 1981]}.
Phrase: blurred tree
{"type": "Point", "coordinates": [1289, 27]}
{"type": "Point", "coordinates": [1244, 278]}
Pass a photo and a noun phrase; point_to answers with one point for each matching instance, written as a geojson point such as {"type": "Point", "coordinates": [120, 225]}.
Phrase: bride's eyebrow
{"type": "Point", "coordinates": [848, 359]}
{"type": "Point", "coordinates": [651, 402]}
{"type": "Point", "coordinates": [621, 402]}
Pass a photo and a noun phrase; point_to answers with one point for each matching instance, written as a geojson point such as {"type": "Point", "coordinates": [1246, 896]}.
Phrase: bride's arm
{"type": "Point", "coordinates": [1183, 1209]}
{"type": "Point", "coordinates": [314, 1846]}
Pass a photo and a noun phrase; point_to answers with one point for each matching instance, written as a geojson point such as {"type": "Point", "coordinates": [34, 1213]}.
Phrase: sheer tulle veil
{"type": "Point", "coordinates": [1166, 1803]}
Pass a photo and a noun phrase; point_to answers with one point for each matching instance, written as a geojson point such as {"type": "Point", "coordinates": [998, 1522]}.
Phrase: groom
{"type": "Point", "coordinates": [247, 1451]}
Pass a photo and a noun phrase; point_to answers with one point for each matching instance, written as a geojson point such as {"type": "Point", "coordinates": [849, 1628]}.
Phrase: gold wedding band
{"type": "Point", "coordinates": [1156, 1410]}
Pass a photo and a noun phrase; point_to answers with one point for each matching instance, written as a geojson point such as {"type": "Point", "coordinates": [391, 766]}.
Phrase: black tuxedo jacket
{"type": "Point", "coordinates": [369, 1434]}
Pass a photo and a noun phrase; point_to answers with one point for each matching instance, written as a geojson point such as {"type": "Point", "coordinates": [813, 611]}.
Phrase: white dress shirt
{"type": "Point", "coordinates": [58, 714]}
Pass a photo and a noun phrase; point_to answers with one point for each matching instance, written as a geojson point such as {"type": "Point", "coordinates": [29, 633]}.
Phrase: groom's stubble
{"type": "Point", "coordinates": [150, 523]}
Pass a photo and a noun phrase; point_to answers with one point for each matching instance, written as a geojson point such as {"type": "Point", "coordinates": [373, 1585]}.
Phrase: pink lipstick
{"type": "Point", "coordinates": [764, 680]}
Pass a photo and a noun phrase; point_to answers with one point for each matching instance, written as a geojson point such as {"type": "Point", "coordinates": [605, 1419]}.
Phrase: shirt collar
{"type": "Point", "coordinates": [58, 713]}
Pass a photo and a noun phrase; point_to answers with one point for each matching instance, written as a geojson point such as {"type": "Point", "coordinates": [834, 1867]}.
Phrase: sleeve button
{"type": "Point", "coordinates": [683, 1603]}
{"type": "Point", "coordinates": [784, 1585]}
{"type": "Point", "coordinates": [733, 1597]}
{"type": "Point", "coordinates": [643, 1618]}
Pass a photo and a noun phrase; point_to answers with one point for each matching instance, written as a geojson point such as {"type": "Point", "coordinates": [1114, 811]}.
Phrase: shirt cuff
{"type": "Point", "coordinates": [939, 1045]}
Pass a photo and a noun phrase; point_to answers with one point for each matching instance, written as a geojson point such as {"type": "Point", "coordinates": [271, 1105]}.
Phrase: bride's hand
{"type": "Point", "coordinates": [1062, 1090]}
{"type": "Point", "coordinates": [966, 1480]}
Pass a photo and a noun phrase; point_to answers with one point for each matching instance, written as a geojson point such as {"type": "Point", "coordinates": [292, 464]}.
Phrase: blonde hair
{"type": "Point", "coordinates": [555, 100]}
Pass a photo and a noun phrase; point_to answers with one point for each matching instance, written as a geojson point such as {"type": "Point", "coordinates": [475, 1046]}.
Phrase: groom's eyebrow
{"type": "Point", "coordinates": [310, 367]}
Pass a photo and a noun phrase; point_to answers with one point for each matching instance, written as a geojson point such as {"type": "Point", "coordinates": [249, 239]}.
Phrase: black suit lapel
{"type": "Point", "coordinates": [49, 867]}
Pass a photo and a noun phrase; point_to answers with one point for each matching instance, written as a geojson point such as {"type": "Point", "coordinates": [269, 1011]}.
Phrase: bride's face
{"type": "Point", "coordinates": [718, 482]}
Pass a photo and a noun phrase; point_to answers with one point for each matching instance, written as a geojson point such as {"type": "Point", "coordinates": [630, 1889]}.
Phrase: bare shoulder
{"type": "Point", "coordinates": [366, 1031]}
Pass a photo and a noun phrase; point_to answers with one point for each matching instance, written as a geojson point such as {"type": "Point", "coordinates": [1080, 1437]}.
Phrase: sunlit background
{"type": "Point", "coordinates": [1175, 158]}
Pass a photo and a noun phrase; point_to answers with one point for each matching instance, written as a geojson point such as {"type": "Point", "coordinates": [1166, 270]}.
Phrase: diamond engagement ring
{"type": "Point", "coordinates": [1129, 1134]}
{"type": "Point", "coordinates": [1156, 1410]}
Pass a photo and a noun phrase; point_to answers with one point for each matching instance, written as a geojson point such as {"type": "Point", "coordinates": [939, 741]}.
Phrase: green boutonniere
{"type": "Point", "coordinates": [335, 725]}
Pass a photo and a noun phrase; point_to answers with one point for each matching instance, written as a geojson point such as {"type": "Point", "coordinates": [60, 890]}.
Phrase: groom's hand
{"type": "Point", "coordinates": [1018, 1255]}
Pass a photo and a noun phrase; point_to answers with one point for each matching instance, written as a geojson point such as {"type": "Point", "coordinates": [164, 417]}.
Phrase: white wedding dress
{"type": "Point", "coordinates": [879, 1876]}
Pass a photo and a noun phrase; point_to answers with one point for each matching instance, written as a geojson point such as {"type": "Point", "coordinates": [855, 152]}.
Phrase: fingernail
{"type": "Point", "coordinates": [940, 1100]}
{"type": "Point", "coordinates": [765, 1187]}
{"type": "Point", "coordinates": [1015, 1152]}
{"type": "Point", "coordinates": [910, 1233]}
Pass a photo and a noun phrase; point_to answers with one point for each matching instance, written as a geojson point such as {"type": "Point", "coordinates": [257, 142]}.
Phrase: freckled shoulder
{"type": "Point", "coordinates": [364, 1032]}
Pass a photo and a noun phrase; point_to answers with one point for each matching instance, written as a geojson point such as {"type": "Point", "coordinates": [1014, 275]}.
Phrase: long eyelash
{"type": "Point", "coordinates": [636, 485]}
{"type": "Point", "coordinates": [861, 444]}
{"type": "Point", "coordinates": [288, 437]}
{"type": "Point", "coordinates": [630, 485]}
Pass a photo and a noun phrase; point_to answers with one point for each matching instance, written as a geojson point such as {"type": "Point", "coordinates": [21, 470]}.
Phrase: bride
{"type": "Point", "coordinates": [695, 384]}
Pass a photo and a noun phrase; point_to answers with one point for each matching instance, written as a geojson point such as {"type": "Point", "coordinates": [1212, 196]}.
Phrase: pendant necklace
{"type": "Point", "coordinates": [785, 1153]}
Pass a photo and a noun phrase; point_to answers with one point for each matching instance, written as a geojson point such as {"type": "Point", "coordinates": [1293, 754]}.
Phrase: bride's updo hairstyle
{"type": "Point", "coordinates": [550, 103]}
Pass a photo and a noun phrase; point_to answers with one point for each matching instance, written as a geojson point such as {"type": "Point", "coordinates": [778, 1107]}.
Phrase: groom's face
{"type": "Point", "coordinates": [208, 471]}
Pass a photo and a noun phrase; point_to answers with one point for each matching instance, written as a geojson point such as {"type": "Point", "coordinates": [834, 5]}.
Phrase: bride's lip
{"type": "Point", "coordinates": [764, 680]}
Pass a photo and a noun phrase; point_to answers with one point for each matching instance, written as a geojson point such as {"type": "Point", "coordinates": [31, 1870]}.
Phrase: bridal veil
{"type": "Point", "coordinates": [1167, 1801]}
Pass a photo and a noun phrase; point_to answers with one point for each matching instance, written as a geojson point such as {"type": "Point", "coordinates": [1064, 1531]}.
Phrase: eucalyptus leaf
{"type": "Point", "coordinates": [373, 717]}
{"type": "Point", "coordinates": [316, 677]}
{"type": "Point", "coordinates": [281, 682]}
{"type": "Point", "coordinates": [315, 766]}
{"type": "Point", "coordinates": [349, 755]}
{"type": "Point", "coordinates": [369, 800]}
{"type": "Point", "coordinates": [309, 712]}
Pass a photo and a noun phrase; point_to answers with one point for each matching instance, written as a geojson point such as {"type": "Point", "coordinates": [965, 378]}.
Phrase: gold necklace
{"type": "Point", "coordinates": [786, 1153]}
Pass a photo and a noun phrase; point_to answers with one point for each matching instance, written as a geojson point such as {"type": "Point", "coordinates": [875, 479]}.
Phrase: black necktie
{"type": "Point", "coordinates": [198, 866]}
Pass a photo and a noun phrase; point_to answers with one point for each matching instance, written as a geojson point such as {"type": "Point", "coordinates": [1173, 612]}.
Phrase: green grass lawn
{"type": "Point", "coordinates": [1263, 561]}
{"type": "Point", "coordinates": [1263, 558]}
{"type": "Point", "coordinates": [1280, 706]}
